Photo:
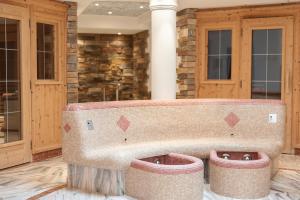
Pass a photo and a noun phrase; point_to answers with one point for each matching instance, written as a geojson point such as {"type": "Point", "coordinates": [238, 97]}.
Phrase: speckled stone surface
{"type": "Point", "coordinates": [192, 128]}
{"type": "Point", "coordinates": [235, 161]}
{"type": "Point", "coordinates": [172, 164]}
{"type": "Point", "coordinates": [238, 180]}
{"type": "Point", "coordinates": [143, 185]}
{"type": "Point", "coordinates": [175, 177]}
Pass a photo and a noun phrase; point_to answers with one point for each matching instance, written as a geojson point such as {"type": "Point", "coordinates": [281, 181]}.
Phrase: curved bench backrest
{"type": "Point", "coordinates": [103, 124]}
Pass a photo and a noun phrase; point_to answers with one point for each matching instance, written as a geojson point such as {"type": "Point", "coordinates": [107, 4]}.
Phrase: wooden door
{"type": "Point", "coordinates": [267, 63]}
{"type": "Point", "coordinates": [14, 86]}
{"type": "Point", "coordinates": [296, 109]}
{"type": "Point", "coordinates": [296, 135]}
{"type": "Point", "coordinates": [48, 77]}
{"type": "Point", "coordinates": [218, 75]}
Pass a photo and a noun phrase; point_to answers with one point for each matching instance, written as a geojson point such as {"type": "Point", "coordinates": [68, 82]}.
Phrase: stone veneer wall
{"type": "Point", "coordinates": [106, 60]}
{"type": "Point", "coordinates": [141, 61]}
{"type": "Point", "coordinates": [72, 73]}
{"type": "Point", "coordinates": [186, 53]}
{"type": "Point", "coordinates": [135, 73]}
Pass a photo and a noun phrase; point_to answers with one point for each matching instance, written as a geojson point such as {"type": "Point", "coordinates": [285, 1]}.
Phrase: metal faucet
{"type": "Point", "coordinates": [118, 85]}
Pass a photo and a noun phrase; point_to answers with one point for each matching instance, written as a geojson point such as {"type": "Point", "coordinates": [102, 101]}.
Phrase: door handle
{"type": "Point", "coordinates": [298, 124]}
{"type": "Point", "coordinates": [288, 82]}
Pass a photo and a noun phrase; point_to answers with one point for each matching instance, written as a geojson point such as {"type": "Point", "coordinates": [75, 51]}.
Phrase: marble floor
{"type": "Point", "coordinates": [290, 162]}
{"type": "Point", "coordinates": [36, 179]}
{"type": "Point", "coordinates": [25, 181]}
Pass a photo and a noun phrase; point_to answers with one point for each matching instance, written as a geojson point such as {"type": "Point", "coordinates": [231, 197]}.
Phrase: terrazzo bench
{"type": "Point", "coordinates": [100, 140]}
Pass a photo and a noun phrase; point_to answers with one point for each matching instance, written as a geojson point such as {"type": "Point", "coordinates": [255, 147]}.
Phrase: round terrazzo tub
{"type": "Point", "coordinates": [243, 175]}
{"type": "Point", "coordinates": [167, 177]}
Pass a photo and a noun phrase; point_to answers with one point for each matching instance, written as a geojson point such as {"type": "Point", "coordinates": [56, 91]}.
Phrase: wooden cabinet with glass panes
{"type": "Point", "coordinates": [20, 71]}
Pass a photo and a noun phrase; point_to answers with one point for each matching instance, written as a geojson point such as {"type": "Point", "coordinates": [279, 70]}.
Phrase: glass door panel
{"type": "Point", "coordinates": [219, 55]}
{"type": "Point", "coordinates": [10, 99]}
{"type": "Point", "coordinates": [45, 52]}
{"type": "Point", "coordinates": [266, 64]}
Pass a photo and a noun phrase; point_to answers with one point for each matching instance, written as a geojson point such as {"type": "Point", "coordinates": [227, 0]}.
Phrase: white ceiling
{"type": "Point", "coordinates": [120, 8]}
{"type": "Point", "coordinates": [127, 16]}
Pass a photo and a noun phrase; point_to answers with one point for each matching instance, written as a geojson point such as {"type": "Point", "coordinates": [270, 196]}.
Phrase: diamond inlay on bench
{"type": "Point", "coordinates": [123, 123]}
{"type": "Point", "coordinates": [232, 119]}
{"type": "Point", "coordinates": [67, 127]}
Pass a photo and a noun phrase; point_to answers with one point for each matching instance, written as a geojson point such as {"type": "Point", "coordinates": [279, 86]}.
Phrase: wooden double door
{"type": "Point", "coordinates": [32, 78]}
{"type": "Point", "coordinates": [251, 56]}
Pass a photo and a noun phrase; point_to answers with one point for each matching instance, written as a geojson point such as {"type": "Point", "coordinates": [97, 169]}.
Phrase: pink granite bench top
{"type": "Point", "coordinates": [174, 164]}
{"type": "Point", "coordinates": [262, 161]}
{"type": "Point", "coordinates": [178, 102]}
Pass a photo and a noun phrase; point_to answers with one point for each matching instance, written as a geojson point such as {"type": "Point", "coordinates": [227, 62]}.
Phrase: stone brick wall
{"type": "Point", "coordinates": [141, 60]}
{"type": "Point", "coordinates": [104, 61]}
{"type": "Point", "coordinates": [128, 66]}
{"type": "Point", "coordinates": [72, 73]}
{"type": "Point", "coordinates": [186, 53]}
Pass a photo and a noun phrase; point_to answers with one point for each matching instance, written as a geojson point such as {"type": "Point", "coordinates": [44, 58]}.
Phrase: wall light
{"type": "Point", "coordinates": [109, 12]}
{"type": "Point", "coordinates": [119, 33]}
{"type": "Point", "coordinates": [97, 4]}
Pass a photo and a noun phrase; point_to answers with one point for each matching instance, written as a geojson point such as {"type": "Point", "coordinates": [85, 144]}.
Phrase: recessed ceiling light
{"type": "Point", "coordinates": [141, 7]}
{"type": "Point", "coordinates": [97, 4]}
{"type": "Point", "coordinates": [119, 33]}
{"type": "Point", "coordinates": [109, 12]}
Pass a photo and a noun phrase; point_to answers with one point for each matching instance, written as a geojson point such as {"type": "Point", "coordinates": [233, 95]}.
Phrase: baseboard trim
{"type": "Point", "coordinates": [297, 151]}
{"type": "Point", "coordinates": [46, 155]}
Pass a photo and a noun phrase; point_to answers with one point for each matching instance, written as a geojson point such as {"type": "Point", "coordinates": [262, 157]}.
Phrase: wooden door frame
{"type": "Point", "coordinates": [286, 24]}
{"type": "Point", "coordinates": [59, 22]}
{"type": "Point", "coordinates": [203, 30]}
{"type": "Point", "coordinates": [202, 52]}
{"type": "Point", "coordinates": [40, 15]}
{"type": "Point", "coordinates": [21, 14]}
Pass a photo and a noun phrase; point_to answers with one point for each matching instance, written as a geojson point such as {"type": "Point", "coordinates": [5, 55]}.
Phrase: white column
{"type": "Point", "coordinates": [163, 49]}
